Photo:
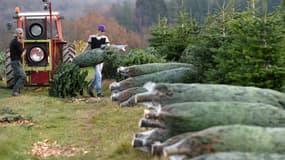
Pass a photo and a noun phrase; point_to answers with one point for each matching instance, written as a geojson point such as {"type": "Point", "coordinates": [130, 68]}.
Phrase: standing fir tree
{"type": "Point", "coordinates": [171, 41]}
{"type": "Point", "coordinates": [254, 55]}
{"type": "Point", "coordinates": [212, 36]}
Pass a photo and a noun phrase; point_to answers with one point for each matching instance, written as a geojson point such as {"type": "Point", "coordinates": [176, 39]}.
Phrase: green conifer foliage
{"type": "Point", "coordinates": [212, 36]}
{"type": "Point", "coordinates": [254, 53]}
{"type": "Point", "coordinates": [240, 48]}
{"type": "Point", "coordinates": [171, 41]}
{"type": "Point", "coordinates": [68, 81]}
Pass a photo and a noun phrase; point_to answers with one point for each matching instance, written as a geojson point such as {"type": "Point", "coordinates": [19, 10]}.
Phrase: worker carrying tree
{"type": "Point", "coordinates": [96, 41]}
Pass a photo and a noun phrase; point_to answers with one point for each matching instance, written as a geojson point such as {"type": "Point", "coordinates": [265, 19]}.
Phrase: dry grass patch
{"type": "Point", "coordinates": [47, 148]}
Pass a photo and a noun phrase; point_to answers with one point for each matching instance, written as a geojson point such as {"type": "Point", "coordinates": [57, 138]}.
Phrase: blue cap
{"type": "Point", "coordinates": [101, 28]}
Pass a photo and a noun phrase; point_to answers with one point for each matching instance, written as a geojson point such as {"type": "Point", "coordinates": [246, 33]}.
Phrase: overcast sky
{"type": "Point", "coordinates": [68, 8]}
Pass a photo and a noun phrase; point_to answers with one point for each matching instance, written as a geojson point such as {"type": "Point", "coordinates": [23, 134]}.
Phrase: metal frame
{"type": "Point", "coordinates": [37, 14]}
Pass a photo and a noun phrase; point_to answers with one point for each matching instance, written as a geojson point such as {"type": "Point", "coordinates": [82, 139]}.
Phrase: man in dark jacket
{"type": "Point", "coordinates": [16, 53]}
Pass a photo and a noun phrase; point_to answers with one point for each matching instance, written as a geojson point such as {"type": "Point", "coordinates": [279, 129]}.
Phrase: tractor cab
{"type": "Point", "coordinates": [45, 46]}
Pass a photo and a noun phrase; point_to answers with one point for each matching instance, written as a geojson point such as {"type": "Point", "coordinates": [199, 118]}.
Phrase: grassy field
{"type": "Point", "coordinates": [99, 129]}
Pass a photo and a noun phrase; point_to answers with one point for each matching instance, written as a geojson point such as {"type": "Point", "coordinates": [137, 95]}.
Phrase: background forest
{"type": "Point", "coordinates": [127, 20]}
{"type": "Point", "coordinates": [237, 42]}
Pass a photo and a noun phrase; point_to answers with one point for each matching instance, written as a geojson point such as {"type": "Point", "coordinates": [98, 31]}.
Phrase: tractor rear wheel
{"type": "Point", "coordinates": [68, 53]}
{"type": "Point", "coordinates": [8, 70]}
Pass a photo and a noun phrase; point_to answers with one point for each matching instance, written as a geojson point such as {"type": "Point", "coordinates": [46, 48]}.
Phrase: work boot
{"type": "Point", "coordinates": [100, 95]}
{"type": "Point", "coordinates": [15, 94]}
{"type": "Point", "coordinates": [91, 92]}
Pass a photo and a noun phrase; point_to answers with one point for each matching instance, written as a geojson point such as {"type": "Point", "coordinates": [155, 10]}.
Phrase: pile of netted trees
{"type": "Point", "coordinates": [136, 76]}
{"type": "Point", "coordinates": [202, 121]}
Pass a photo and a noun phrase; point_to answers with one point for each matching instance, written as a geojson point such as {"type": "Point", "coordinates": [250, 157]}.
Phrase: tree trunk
{"type": "Point", "coordinates": [230, 138]}
{"type": "Point", "coordinates": [137, 70]}
{"type": "Point", "coordinates": [146, 139]}
{"type": "Point", "coordinates": [150, 114]}
{"type": "Point", "coordinates": [165, 93]}
{"type": "Point", "coordinates": [148, 123]}
{"type": "Point", "coordinates": [129, 103]}
{"type": "Point", "coordinates": [157, 147]}
{"type": "Point", "coordinates": [126, 94]}
{"type": "Point", "coordinates": [178, 75]}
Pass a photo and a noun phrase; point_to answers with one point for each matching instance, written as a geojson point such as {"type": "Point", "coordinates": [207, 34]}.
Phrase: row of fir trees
{"type": "Point", "coordinates": [240, 48]}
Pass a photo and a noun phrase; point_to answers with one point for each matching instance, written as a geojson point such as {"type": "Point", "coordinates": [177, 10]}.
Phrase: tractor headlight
{"type": "Point", "coordinates": [37, 54]}
{"type": "Point", "coordinates": [36, 30]}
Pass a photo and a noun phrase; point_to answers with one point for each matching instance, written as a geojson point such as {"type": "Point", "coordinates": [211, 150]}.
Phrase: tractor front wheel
{"type": "Point", "coordinates": [8, 70]}
{"type": "Point", "coordinates": [68, 53]}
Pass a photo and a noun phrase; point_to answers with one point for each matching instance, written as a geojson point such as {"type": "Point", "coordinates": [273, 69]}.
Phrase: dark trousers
{"type": "Point", "coordinates": [19, 75]}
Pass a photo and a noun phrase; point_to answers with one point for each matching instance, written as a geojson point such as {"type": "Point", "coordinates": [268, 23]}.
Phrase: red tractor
{"type": "Point", "coordinates": [44, 43]}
